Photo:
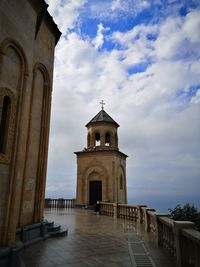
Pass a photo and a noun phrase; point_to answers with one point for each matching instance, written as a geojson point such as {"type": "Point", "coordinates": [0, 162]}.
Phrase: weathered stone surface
{"type": "Point", "coordinates": [26, 68]}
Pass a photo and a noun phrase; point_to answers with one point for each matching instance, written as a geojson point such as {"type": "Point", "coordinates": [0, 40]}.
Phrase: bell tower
{"type": "Point", "coordinates": [101, 167]}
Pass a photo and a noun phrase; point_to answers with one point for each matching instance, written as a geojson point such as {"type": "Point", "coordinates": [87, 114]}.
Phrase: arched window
{"type": "Point", "coordinates": [121, 182]}
{"type": "Point", "coordinates": [97, 139]}
{"type": "Point", "coordinates": [107, 139]}
{"type": "Point", "coordinates": [5, 114]}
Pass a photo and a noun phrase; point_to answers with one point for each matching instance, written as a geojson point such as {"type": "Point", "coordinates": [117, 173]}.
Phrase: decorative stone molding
{"type": "Point", "coordinates": [44, 140]}
{"type": "Point", "coordinates": [8, 42]}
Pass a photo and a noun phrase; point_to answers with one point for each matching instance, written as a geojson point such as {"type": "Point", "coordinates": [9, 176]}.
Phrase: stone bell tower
{"type": "Point", "coordinates": [101, 167]}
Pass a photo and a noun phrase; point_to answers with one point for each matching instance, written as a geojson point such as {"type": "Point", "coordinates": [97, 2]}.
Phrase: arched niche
{"type": "Point", "coordinates": [13, 76]}
{"type": "Point", "coordinates": [13, 72]}
{"type": "Point", "coordinates": [94, 171]}
{"type": "Point", "coordinates": [107, 139]}
{"type": "Point", "coordinates": [13, 66]}
{"type": "Point", "coordinates": [37, 145]}
{"type": "Point", "coordinates": [121, 184]}
{"type": "Point", "coordinates": [97, 138]}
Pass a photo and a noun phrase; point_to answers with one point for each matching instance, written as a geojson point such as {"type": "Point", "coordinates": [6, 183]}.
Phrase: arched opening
{"type": "Point", "coordinates": [97, 139]}
{"type": "Point", "coordinates": [120, 182]}
{"type": "Point", "coordinates": [107, 139]}
{"type": "Point", "coordinates": [5, 114]}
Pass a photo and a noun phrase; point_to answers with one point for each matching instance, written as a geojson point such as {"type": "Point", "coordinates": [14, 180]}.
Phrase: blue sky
{"type": "Point", "coordinates": [143, 58]}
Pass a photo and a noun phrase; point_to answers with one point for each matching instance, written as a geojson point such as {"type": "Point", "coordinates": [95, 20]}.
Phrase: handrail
{"type": "Point", "coordinates": [192, 234]}
{"type": "Point", "coordinates": [166, 221]}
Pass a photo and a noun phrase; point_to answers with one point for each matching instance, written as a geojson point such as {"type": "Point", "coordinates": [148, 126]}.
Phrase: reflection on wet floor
{"type": "Point", "coordinates": [92, 241]}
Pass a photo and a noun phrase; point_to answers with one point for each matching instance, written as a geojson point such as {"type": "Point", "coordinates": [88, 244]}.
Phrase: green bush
{"type": "Point", "coordinates": [187, 212]}
{"type": "Point", "coordinates": [198, 221]}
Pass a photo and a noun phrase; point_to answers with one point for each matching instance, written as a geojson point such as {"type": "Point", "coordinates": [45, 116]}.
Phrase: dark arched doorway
{"type": "Point", "coordinates": [95, 192]}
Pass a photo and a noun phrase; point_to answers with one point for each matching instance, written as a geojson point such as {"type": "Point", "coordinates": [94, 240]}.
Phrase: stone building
{"type": "Point", "coordinates": [28, 36]}
{"type": "Point", "coordinates": [101, 167]}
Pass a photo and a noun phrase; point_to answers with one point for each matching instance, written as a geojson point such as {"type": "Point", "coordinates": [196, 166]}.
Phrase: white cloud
{"type": "Point", "coordinates": [136, 5]}
{"type": "Point", "coordinates": [136, 47]}
{"type": "Point", "coordinates": [65, 13]}
{"type": "Point", "coordinates": [192, 25]}
{"type": "Point", "coordinates": [116, 4]}
{"type": "Point", "coordinates": [114, 9]}
{"type": "Point", "coordinates": [196, 98]}
{"type": "Point", "coordinates": [99, 39]}
{"type": "Point", "coordinates": [179, 37]}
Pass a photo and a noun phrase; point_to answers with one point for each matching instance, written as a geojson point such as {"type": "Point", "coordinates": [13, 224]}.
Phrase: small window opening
{"type": "Point", "coordinates": [5, 113]}
{"type": "Point", "coordinates": [121, 182]}
{"type": "Point", "coordinates": [97, 139]}
{"type": "Point", "coordinates": [107, 139]}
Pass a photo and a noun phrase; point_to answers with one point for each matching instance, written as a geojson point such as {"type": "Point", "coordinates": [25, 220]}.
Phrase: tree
{"type": "Point", "coordinates": [187, 212]}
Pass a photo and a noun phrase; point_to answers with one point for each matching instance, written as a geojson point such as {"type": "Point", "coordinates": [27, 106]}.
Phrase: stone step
{"type": "Point", "coordinates": [53, 228]}
{"type": "Point", "coordinates": [49, 223]}
{"type": "Point", "coordinates": [61, 232]}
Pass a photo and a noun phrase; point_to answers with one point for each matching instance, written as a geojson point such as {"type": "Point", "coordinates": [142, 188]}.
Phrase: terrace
{"type": "Point", "coordinates": [119, 235]}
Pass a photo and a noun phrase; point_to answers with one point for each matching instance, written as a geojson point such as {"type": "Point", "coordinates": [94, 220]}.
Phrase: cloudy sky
{"type": "Point", "coordinates": [142, 57]}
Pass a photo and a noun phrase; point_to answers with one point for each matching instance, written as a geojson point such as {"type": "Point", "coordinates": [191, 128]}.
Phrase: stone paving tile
{"type": "Point", "coordinates": [92, 241]}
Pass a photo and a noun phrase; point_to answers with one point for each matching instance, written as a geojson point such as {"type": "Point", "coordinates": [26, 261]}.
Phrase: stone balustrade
{"type": "Point", "coordinates": [179, 237]}
{"type": "Point", "coordinates": [60, 203]}
{"type": "Point", "coordinates": [165, 234]}
{"type": "Point", "coordinates": [189, 247]}
{"type": "Point", "coordinates": [107, 208]}
{"type": "Point", "coordinates": [128, 212]}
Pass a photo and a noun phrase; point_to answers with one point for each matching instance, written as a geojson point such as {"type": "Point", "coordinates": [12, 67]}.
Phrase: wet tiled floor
{"type": "Point", "coordinates": [92, 240]}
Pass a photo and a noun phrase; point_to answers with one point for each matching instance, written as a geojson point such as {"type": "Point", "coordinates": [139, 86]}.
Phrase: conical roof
{"type": "Point", "coordinates": [102, 116]}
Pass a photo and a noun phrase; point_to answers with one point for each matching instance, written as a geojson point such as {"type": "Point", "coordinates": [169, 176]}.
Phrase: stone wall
{"type": "Point", "coordinates": [27, 40]}
{"type": "Point", "coordinates": [107, 166]}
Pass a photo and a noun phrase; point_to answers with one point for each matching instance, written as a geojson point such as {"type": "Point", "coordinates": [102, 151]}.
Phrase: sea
{"type": "Point", "coordinates": [164, 203]}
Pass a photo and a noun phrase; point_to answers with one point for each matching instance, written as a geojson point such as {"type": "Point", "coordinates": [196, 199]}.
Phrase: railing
{"type": "Point", "coordinates": [128, 212]}
{"type": "Point", "coordinates": [178, 237]}
{"type": "Point", "coordinates": [166, 234]}
{"type": "Point", "coordinates": [59, 203]}
{"type": "Point", "coordinates": [190, 247]}
{"type": "Point", "coordinates": [107, 209]}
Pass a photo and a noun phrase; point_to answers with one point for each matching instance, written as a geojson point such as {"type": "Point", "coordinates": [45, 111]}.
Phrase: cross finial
{"type": "Point", "coordinates": [102, 104]}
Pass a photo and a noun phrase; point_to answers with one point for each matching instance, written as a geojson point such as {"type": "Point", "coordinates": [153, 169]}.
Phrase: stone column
{"type": "Point", "coordinates": [102, 139]}
{"type": "Point", "coordinates": [147, 220]}
{"type": "Point", "coordinates": [158, 227]}
{"type": "Point", "coordinates": [115, 206]}
{"type": "Point", "coordinates": [47, 203]}
{"type": "Point", "coordinates": [140, 213]}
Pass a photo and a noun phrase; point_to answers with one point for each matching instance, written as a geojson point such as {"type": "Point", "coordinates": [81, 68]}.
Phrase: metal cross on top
{"type": "Point", "coordinates": [102, 104]}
